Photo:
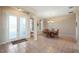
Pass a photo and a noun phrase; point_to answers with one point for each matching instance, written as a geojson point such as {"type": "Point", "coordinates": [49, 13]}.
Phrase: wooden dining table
{"type": "Point", "coordinates": [52, 34]}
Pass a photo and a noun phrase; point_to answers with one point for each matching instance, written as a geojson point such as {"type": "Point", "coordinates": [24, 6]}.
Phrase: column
{"type": "Point", "coordinates": [35, 28]}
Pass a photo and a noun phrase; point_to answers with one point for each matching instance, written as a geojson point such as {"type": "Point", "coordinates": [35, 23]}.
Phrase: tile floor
{"type": "Point", "coordinates": [42, 45]}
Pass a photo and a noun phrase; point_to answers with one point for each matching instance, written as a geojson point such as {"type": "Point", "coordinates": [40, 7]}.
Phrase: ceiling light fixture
{"type": "Point", "coordinates": [20, 9]}
{"type": "Point", "coordinates": [70, 7]}
{"type": "Point", "coordinates": [70, 12]}
{"type": "Point", "coordinates": [50, 21]}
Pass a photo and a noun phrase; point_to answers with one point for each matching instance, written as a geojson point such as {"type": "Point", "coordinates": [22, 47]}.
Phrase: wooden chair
{"type": "Point", "coordinates": [56, 33]}
{"type": "Point", "coordinates": [46, 32]}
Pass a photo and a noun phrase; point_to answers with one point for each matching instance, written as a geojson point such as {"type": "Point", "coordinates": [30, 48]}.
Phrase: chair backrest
{"type": "Point", "coordinates": [46, 30]}
{"type": "Point", "coordinates": [57, 32]}
{"type": "Point", "coordinates": [53, 30]}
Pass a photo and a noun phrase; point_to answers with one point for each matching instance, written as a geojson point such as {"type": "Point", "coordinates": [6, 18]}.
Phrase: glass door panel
{"type": "Point", "coordinates": [22, 30]}
{"type": "Point", "coordinates": [12, 27]}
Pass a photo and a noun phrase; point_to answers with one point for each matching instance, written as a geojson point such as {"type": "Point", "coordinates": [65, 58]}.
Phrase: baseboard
{"type": "Point", "coordinates": [5, 42]}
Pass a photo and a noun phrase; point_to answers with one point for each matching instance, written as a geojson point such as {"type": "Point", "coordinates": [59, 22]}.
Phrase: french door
{"type": "Point", "coordinates": [22, 27]}
{"type": "Point", "coordinates": [12, 27]}
{"type": "Point", "coordinates": [17, 27]}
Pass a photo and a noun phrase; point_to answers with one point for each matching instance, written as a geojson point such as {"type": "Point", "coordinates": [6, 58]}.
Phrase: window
{"type": "Point", "coordinates": [31, 25]}
{"type": "Point", "coordinates": [42, 25]}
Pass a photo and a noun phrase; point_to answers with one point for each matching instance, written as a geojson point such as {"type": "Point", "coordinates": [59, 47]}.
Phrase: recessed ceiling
{"type": "Point", "coordinates": [48, 11]}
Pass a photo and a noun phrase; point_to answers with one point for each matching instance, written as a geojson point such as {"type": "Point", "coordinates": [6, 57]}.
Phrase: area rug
{"type": "Point", "coordinates": [18, 41]}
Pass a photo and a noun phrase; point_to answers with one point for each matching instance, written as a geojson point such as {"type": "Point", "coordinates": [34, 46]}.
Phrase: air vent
{"type": "Point", "coordinates": [70, 7]}
{"type": "Point", "coordinates": [70, 12]}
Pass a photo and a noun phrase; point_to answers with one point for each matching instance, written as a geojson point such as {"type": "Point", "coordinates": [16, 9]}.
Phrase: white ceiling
{"type": "Point", "coordinates": [47, 11]}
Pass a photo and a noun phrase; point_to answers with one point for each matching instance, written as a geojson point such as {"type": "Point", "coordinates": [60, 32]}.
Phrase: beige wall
{"type": "Point", "coordinates": [65, 24]}
{"type": "Point", "coordinates": [3, 29]}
